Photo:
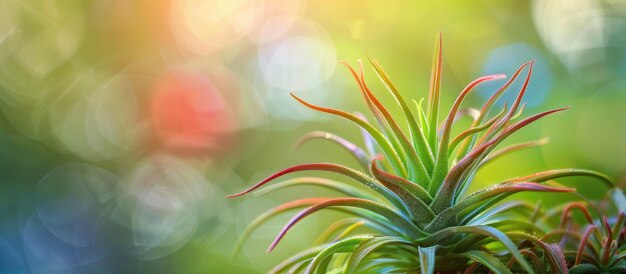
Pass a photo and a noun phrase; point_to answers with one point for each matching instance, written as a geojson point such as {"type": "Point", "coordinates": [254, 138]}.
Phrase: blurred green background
{"type": "Point", "coordinates": [125, 123]}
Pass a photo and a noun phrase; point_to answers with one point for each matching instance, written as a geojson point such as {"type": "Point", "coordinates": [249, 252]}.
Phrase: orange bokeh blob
{"type": "Point", "coordinates": [190, 116]}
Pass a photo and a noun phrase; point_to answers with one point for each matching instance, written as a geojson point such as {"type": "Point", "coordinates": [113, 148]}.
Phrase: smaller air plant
{"type": "Point", "coordinates": [412, 197]}
{"type": "Point", "coordinates": [595, 245]}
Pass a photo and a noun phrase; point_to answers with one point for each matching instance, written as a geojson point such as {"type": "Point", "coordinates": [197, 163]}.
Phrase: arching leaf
{"type": "Point", "coordinates": [403, 224]}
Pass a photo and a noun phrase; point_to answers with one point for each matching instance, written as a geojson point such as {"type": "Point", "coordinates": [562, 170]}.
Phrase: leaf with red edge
{"type": "Point", "coordinates": [473, 130]}
{"type": "Point", "coordinates": [469, 144]}
{"type": "Point", "coordinates": [567, 209]}
{"type": "Point", "coordinates": [414, 188]}
{"type": "Point", "coordinates": [607, 250]}
{"type": "Point", "coordinates": [537, 263]}
{"type": "Point", "coordinates": [406, 226]}
{"type": "Point", "coordinates": [503, 123]}
{"type": "Point", "coordinates": [328, 167]}
{"type": "Point", "coordinates": [337, 186]}
{"type": "Point", "coordinates": [381, 140]}
{"type": "Point", "coordinates": [416, 167]}
{"type": "Point", "coordinates": [553, 253]}
{"type": "Point", "coordinates": [559, 173]}
{"type": "Point", "coordinates": [441, 159]}
{"type": "Point", "coordinates": [258, 221]}
{"type": "Point", "coordinates": [583, 243]}
{"type": "Point", "coordinates": [452, 180]}
{"type": "Point", "coordinates": [418, 208]}
{"type": "Point", "coordinates": [320, 263]}
{"type": "Point", "coordinates": [433, 94]}
{"type": "Point", "coordinates": [418, 137]}
{"type": "Point", "coordinates": [371, 107]}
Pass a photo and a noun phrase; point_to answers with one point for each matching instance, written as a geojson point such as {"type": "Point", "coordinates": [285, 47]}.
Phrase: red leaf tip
{"type": "Point", "coordinates": [234, 195]}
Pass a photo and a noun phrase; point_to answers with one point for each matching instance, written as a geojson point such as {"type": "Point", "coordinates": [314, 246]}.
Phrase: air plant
{"type": "Point", "coordinates": [595, 245]}
{"type": "Point", "coordinates": [412, 198]}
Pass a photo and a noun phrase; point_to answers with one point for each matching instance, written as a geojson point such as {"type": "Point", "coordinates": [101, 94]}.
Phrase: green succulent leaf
{"type": "Point", "coordinates": [584, 269]}
{"type": "Point", "coordinates": [414, 205]}
{"type": "Point", "coordinates": [441, 162]}
{"type": "Point", "coordinates": [406, 226]}
{"type": "Point", "coordinates": [418, 209]}
{"type": "Point", "coordinates": [447, 216]}
{"type": "Point", "coordinates": [559, 173]}
{"type": "Point", "coordinates": [367, 248]}
{"type": "Point", "coordinates": [427, 259]}
{"type": "Point", "coordinates": [258, 221]}
{"type": "Point", "coordinates": [486, 259]}
{"type": "Point", "coordinates": [346, 232]}
{"type": "Point", "coordinates": [552, 252]}
{"type": "Point", "coordinates": [319, 264]}
{"type": "Point", "coordinates": [446, 192]}
{"type": "Point", "coordinates": [433, 94]}
{"type": "Point", "coordinates": [484, 215]}
{"type": "Point", "coordinates": [344, 224]}
{"type": "Point", "coordinates": [308, 254]}
{"type": "Point", "coordinates": [415, 189]}
{"type": "Point", "coordinates": [473, 130]}
{"type": "Point", "coordinates": [417, 170]}
{"type": "Point", "coordinates": [421, 116]}
{"type": "Point", "coordinates": [482, 230]}
{"type": "Point", "coordinates": [537, 263]}
{"type": "Point", "coordinates": [418, 137]}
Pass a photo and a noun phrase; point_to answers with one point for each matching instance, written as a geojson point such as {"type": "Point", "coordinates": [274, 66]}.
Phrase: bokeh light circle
{"type": "Point", "coordinates": [203, 26]}
{"type": "Point", "coordinates": [586, 35]}
{"type": "Point", "coordinates": [190, 116]}
{"type": "Point", "coordinates": [47, 34]}
{"type": "Point", "coordinates": [302, 58]}
{"type": "Point", "coordinates": [507, 60]}
{"type": "Point", "coordinates": [276, 19]}
{"type": "Point", "coordinates": [46, 253]}
{"type": "Point", "coordinates": [70, 199]}
{"type": "Point", "coordinates": [96, 116]}
{"type": "Point", "coordinates": [165, 201]}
